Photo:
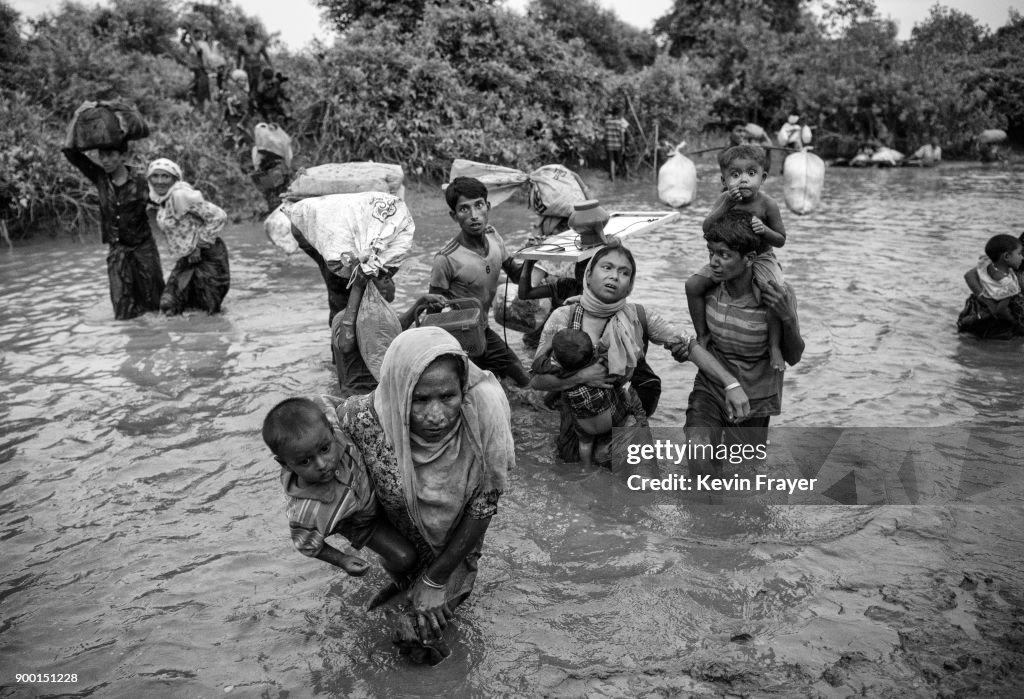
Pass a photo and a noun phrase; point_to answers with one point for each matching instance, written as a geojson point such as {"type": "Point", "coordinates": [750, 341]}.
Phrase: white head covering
{"type": "Point", "coordinates": [181, 196]}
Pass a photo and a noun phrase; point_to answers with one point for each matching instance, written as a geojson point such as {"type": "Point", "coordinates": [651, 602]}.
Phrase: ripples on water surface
{"type": "Point", "coordinates": [145, 547]}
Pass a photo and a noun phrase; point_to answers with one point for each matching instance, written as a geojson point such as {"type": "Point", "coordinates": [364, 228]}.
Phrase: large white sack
{"type": "Point", "coordinates": [273, 139]}
{"type": "Point", "coordinates": [373, 228]}
{"type": "Point", "coordinates": [377, 325]}
{"type": "Point", "coordinates": [554, 190]}
{"type": "Point", "coordinates": [886, 156]}
{"type": "Point", "coordinates": [677, 179]}
{"type": "Point", "coordinates": [347, 178]}
{"type": "Point", "coordinates": [278, 228]}
{"type": "Point", "coordinates": [992, 136]}
{"type": "Point", "coordinates": [803, 177]}
{"type": "Point", "coordinates": [501, 182]}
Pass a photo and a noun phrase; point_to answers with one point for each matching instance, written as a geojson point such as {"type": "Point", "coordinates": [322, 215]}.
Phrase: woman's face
{"type": "Point", "coordinates": [611, 279]}
{"type": "Point", "coordinates": [161, 182]}
{"type": "Point", "coordinates": [436, 400]}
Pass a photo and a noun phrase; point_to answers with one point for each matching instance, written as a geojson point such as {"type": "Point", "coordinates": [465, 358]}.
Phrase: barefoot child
{"type": "Point", "coordinates": [744, 170]}
{"type": "Point", "coordinates": [329, 491]}
{"type": "Point", "coordinates": [592, 408]}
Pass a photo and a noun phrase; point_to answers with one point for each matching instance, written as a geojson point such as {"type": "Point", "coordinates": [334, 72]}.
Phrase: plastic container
{"type": "Point", "coordinates": [464, 320]}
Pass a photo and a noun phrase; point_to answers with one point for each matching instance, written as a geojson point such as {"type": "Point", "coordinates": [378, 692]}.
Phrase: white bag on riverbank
{"type": "Point", "coordinates": [347, 178]}
{"type": "Point", "coordinates": [372, 228]}
{"type": "Point", "coordinates": [677, 179]}
{"type": "Point", "coordinates": [803, 177]}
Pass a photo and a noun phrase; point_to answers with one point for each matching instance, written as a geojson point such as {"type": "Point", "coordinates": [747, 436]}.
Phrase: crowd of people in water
{"type": "Point", "coordinates": [411, 460]}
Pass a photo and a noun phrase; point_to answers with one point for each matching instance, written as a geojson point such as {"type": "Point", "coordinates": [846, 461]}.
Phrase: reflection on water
{"type": "Point", "coordinates": [146, 549]}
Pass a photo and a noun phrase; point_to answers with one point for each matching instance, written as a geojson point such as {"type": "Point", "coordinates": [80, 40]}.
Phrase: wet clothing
{"type": "Point", "coordinates": [133, 261]}
{"type": "Point", "coordinates": [200, 284]}
{"type": "Point", "coordinates": [191, 224]}
{"type": "Point", "coordinates": [739, 341]}
{"type": "Point", "coordinates": [459, 272]}
{"type": "Point", "coordinates": [345, 505]}
{"type": "Point", "coordinates": [426, 489]}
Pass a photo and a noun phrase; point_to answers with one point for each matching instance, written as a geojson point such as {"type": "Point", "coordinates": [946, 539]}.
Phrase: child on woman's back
{"type": "Point", "coordinates": [329, 491]}
{"type": "Point", "coordinates": [744, 169]}
{"type": "Point", "coordinates": [592, 408]}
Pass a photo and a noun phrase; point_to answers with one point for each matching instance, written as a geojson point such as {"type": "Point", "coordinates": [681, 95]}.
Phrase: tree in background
{"type": "Point", "coordinates": [619, 46]}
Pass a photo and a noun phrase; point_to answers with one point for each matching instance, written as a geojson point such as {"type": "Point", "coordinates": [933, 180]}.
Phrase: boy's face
{"type": "Point", "coordinates": [471, 215]}
{"type": "Point", "coordinates": [726, 263]}
{"type": "Point", "coordinates": [110, 159]}
{"type": "Point", "coordinates": [745, 176]}
{"type": "Point", "coordinates": [738, 135]}
{"type": "Point", "coordinates": [1014, 258]}
{"type": "Point", "coordinates": [312, 456]}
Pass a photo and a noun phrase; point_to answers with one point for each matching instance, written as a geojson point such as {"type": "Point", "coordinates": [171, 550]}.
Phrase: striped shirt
{"type": "Point", "coordinates": [739, 340]}
{"type": "Point", "coordinates": [615, 133]}
{"type": "Point", "coordinates": [345, 505]}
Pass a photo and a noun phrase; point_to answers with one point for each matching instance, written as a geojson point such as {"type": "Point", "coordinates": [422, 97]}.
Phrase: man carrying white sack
{"type": "Point", "coordinates": [354, 238]}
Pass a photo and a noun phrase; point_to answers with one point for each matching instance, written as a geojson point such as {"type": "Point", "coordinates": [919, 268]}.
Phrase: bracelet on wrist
{"type": "Point", "coordinates": [431, 584]}
{"type": "Point", "coordinates": [734, 384]}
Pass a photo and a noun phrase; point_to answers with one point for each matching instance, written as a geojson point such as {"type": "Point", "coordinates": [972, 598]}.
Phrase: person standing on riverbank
{"type": "Point", "coordinates": [133, 261]}
{"type": "Point", "coordinates": [615, 142]}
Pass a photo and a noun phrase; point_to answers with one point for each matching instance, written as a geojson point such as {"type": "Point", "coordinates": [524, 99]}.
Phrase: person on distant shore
{"type": "Point", "coordinates": [252, 54]}
{"type": "Point", "coordinates": [995, 307]}
{"type": "Point", "coordinates": [744, 170]}
{"type": "Point", "coordinates": [615, 128]}
{"type": "Point", "coordinates": [329, 491]}
{"type": "Point", "coordinates": [133, 261]}
{"type": "Point", "coordinates": [928, 154]}
{"type": "Point", "coordinates": [271, 97]}
{"type": "Point", "coordinates": [469, 265]}
{"type": "Point", "coordinates": [191, 225]}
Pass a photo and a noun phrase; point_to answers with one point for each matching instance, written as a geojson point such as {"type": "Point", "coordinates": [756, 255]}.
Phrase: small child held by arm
{"type": "Point", "coordinates": [329, 491]}
{"type": "Point", "coordinates": [744, 169]}
{"type": "Point", "coordinates": [994, 281]}
{"type": "Point", "coordinates": [592, 408]}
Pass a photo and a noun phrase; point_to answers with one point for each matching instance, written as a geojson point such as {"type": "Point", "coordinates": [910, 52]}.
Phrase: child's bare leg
{"type": "Point", "coordinates": [775, 343]}
{"type": "Point", "coordinates": [696, 286]}
{"type": "Point", "coordinates": [586, 449]}
{"type": "Point", "coordinates": [397, 556]}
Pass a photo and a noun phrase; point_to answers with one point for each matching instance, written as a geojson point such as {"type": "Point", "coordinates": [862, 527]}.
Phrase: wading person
{"type": "Point", "coordinates": [133, 261]}
{"type": "Point", "coordinates": [620, 331]}
{"type": "Point", "coordinates": [738, 340]}
{"type": "Point", "coordinates": [436, 438]}
{"type": "Point", "coordinates": [191, 225]}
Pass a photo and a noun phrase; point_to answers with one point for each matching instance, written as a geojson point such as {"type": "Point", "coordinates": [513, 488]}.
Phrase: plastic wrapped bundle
{"type": "Point", "coordinates": [372, 229]}
{"type": "Point", "coordinates": [991, 136]}
{"type": "Point", "coordinates": [555, 190]}
{"type": "Point", "coordinates": [347, 178]}
{"type": "Point", "coordinates": [278, 228]}
{"type": "Point", "coordinates": [501, 182]}
{"type": "Point", "coordinates": [677, 179]}
{"type": "Point", "coordinates": [271, 138]}
{"type": "Point", "coordinates": [105, 125]}
{"type": "Point", "coordinates": [803, 176]}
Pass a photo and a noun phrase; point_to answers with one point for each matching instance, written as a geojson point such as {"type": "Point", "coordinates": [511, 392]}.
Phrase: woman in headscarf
{"type": "Point", "coordinates": [436, 437]}
{"type": "Point", "coordinates": [201, 276]}
{"type": "Point", "coordinates": [620, 332]}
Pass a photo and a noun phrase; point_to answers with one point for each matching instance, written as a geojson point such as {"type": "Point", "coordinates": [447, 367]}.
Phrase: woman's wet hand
{"type": "Point", "coordinates": [431, 609]}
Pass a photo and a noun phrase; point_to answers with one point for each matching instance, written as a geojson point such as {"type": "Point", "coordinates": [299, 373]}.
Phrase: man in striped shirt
{"type": "Point", "coordinates": [738, 332]}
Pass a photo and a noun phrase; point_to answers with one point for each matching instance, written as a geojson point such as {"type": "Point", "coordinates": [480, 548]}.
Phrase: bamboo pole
{"type": "Point", "coordinates": [655, 149]}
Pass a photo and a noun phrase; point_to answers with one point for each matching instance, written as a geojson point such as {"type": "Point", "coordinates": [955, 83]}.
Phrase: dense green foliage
{"type": "Point", "coordinates": [421, 82]}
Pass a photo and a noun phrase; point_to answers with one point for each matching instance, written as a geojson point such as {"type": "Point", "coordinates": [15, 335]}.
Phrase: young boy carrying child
{"type": "Point", "coordinates": [995, 288]}
{"type": "Point", "coordinates": [329, 491]}
{"type": "Point", "coordinates": [744, 170]}
{"type": "Point", "coordinates": [469, 265]}
{"type": "Point", "coordinates": [592, 408]}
